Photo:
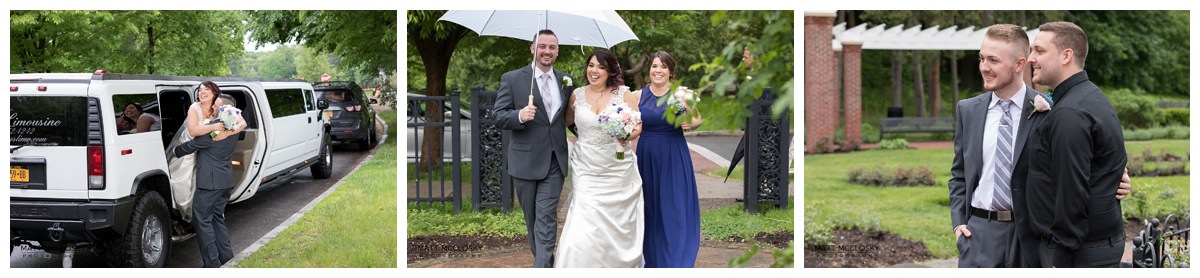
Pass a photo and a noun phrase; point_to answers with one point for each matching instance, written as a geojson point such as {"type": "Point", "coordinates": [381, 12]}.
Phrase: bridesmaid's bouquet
{"type": "Point", "coordinates": [228, 116]}
{"type": "Point", "coordinates": [618, 121]}
{"type": "Point", "coordinates": [681, 98]}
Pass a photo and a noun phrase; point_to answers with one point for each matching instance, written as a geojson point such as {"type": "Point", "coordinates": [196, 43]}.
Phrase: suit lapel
{"type": "Point", "coordinates": [1026, 124]}
{"type": "Point", "coordinates": [978, 122]}
{"type": "Point", "coordinates": [537, 94]}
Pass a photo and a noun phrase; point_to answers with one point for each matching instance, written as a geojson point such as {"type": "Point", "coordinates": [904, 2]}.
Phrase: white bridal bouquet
{"type": "Point", "coordinates": [228, 116]}
{"type": "Point", "coordinates": [618, 121]}
{"type": "Point", "coordinates": [681, 98]}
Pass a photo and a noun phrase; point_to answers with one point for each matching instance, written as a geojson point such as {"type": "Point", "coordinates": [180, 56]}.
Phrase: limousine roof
{"type": "Point", "coordinates": [101, 75]}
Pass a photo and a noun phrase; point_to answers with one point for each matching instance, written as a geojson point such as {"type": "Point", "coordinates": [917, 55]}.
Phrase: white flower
{"type": "Point", "coordinates": [566, 80]}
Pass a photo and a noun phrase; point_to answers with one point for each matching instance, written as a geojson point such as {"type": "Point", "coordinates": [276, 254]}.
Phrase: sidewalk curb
{"type": "Point", "coordinates": [262, 241]}
{"type": "Point", "coordinates": [709, 155]}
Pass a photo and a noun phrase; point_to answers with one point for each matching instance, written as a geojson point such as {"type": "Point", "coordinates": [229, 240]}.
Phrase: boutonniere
{"type": "Point", "coordinates": [1040, 103]}
{"type": "Point", "coordinates": [566, 81]}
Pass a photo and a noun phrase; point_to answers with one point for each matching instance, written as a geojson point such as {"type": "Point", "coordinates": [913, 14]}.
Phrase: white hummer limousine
{"type": "Point", "coordinates": [79, 177]}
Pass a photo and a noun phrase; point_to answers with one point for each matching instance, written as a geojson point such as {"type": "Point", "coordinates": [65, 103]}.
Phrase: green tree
{"type": "Point", "coordinates": [145, 42]}
{"type": "Point", "coordinates": [281, 63]}
{"type": "Point", "coordinates": [1147, 50]}
{"type": "Point", "coordinates": [364, 41]}
{"type": "Point", "coordinates": [769, 37]}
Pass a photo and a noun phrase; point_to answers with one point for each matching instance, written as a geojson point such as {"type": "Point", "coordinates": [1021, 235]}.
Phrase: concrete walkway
{"type": "Point", "coordinates": [713, 192]}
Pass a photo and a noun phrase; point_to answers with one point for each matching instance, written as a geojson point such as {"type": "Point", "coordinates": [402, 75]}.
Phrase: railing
{"type": "Point", "coordinates": [430, 172]}
{"type": "Point", "coordinates": [1161, 242]}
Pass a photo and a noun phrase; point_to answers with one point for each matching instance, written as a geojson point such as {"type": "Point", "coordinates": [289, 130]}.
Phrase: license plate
{"type": "Point", "coordinates": [329, 114]}
{"type": "Point", "coordinates": [18, 174]}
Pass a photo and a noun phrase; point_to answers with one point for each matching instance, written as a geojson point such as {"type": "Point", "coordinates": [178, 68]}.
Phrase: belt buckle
{"type": "Point", "coordinates": [1005, 216]}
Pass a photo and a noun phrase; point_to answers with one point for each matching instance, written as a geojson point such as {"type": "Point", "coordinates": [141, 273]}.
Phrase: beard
{"type": "Point", "coordinates": [999, 83]}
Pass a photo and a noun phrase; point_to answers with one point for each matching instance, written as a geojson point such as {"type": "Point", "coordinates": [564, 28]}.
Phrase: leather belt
{"type": "Point", "coordinates": [1002, 216]}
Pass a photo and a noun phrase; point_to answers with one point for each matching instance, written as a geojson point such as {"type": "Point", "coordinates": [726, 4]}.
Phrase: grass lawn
{"type": "Point", "coordinates": [725, 222]}
{"type": "Point", "coordinates": [355, 226]}
{"type": "Point", "coordinates": [922, 213]}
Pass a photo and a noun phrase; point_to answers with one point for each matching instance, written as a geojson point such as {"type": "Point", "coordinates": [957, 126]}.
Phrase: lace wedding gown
{"type": "Point", "coordinates": [604, 225]}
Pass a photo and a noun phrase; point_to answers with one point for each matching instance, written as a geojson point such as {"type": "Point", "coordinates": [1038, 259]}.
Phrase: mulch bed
{"type": "Point", "coordinates": [429, 247]}
{"type": "Point", "coordinates": [855, 248]}
{"type": "Point", "coordinates": [778, 239]}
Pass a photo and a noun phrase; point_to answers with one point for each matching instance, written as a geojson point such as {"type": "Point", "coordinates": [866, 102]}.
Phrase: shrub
{"type": "Point", "coordinates": [870, 134]}
{"type": "Point", "coordinates": [916, 176]}
{"type": "Point", "coordinates": [894, 144]}
{"type": "Point", "coordinates": [1148, 164]}
{"type": "Point", "coordinates": [1175, 116]}
{"type": "Point", "coordinates": [1135, 109]}
{"type": "Point", "coordinates": [1137, 135]}
{"type": "Point", "coordinates": [1179, 132]}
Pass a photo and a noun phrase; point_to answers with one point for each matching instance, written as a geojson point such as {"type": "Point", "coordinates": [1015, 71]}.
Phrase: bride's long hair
{"type": "Point", "coordinates": [609, 61]}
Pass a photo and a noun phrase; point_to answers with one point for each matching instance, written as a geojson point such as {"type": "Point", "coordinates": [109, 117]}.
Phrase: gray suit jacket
{"type": "Point", "coordinates": [968, 154]}
{"type": "Point", "coordinates": [529, 145]}
{"type": "Point", "coordinates": [213, 168]}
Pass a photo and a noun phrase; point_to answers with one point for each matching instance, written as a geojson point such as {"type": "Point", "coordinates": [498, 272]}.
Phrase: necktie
{"type": "Point", "coordinates": [547, 96]}
{"type": "Point", "coordinates": [1002, 194]}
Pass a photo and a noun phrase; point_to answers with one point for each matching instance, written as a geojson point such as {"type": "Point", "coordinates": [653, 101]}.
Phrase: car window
{"type": "Point", "coordinates": [336, 96]}
{"type": "Point", "coordinates": [48, 121]}
{"type": "Point", "coordinates": [127, 123]}
{"type": "Point", "coordinates": [285, 102]}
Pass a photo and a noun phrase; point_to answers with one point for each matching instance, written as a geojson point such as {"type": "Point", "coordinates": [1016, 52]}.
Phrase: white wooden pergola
{"type": "Point", "coordinates": [880, 37]}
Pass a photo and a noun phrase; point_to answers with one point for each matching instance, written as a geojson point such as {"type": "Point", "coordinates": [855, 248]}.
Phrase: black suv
{"type": "Point", "coordinates": [350, 113]}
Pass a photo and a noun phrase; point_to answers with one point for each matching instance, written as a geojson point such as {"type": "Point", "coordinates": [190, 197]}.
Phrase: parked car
{"type": "Point", "coordinates": [352, 118]}
{"type": "Point", "coordinates": [417, 114]}
{"type": "Point", "coordinates": [75, 181]}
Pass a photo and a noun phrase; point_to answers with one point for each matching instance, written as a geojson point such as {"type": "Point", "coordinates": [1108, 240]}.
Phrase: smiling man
{"type": "Point", "coordinates": [1078, 153]}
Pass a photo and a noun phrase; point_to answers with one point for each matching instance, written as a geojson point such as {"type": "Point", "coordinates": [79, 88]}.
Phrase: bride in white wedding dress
{"type": "Point", "coordinates": [183, 177]}
{"type": "Point", "coordinates": [604, 224]}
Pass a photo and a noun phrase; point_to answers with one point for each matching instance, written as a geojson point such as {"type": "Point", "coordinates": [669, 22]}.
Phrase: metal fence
{"type": "Point", "coordinates": [431, 173]}
{"type": "Point", "coordinates": [1161, 244]}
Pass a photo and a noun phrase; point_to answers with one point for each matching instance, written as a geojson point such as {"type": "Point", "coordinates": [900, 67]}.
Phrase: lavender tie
{"type": "Point", "coordinates": [1002, 195]}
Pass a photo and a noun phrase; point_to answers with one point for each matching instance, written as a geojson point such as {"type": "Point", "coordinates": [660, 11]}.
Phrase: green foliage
{"type": "Point", "coordinates": [720, 113]}
{"type": "Point", "coordinates": [893, 144]}
{"type": "Point", "coordinates": [363, 41]}
{"type": "Point", "coordinates": [1147, 163]}
{"type": "Point", "coordinates": [1135, 108]}
{"type": "Point", "coordinates": [916, 176]}
{"type": "Point", "coordinates": [200, 43]}
{"type": "Point", "coordinates": [440, 220]}
{"type": "Point", "coordinates": [1175, 116]}
{"type": "Point", "coordinates": [1157, 197]}
{"type": "Point", "coordinates": [726, 222]}
{"type": "Point", "coordinates": [769, 37]}
{"type": "Point", "coordinates": [1146, 50]}
{"type": "Point", "coordinates": [1170, 132]}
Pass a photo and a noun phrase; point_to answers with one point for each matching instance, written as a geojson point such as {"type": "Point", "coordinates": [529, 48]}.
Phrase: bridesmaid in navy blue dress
{"type": "Point", "coordinates": [672, 205]}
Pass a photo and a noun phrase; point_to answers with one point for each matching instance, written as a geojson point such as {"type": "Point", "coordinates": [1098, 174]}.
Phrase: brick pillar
{"type": "Point", "coordinates": [836, 91]}
{"type": "Point", "coordinates": [852, 79]}
{"type": "Point", "coordinates": [820, 111]}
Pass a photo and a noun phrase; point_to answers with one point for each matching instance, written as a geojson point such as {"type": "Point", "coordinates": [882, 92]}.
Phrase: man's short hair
{"type": "Point", "coordinates": [228, 99]}
{"type": "Point", "coordinates": [1013, 35]}
{"type": "Point", "coordinates": [543, 32]}
{"type": "Point", "coordinates": [1068, 35]}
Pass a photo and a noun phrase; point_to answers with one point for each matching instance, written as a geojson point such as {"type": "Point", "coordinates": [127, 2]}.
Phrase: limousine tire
{"type": "Point", "coordinates": [147, 240]}
{"type": "Point", "coordinates": [324, 166]}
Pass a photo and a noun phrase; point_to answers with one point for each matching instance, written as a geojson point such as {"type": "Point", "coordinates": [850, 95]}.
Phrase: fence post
{"type": "Point", "coordinates": [455, 149]}
{"type": "Point", "coordinates": [490, 183]}
{"type": "Point", "coordinates": [765, 179]}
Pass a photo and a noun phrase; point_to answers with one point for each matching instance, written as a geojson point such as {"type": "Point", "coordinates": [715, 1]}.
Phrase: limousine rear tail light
{"type": "Point", "coordinates": [95, 167]}
{"type": "Point", "coordinates": [12, 88]}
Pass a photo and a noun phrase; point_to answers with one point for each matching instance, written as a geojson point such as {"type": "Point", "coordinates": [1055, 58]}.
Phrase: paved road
{"type": "Point", "coordinates": [247, 221]}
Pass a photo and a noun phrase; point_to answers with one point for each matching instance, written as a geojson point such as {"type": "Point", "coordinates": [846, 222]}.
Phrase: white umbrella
{"type": "Point", "coordinates": [590, 28]}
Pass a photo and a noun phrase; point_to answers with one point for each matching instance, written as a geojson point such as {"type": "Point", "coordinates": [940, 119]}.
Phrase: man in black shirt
{"type": "Point", "coordinates": [1077, 158]}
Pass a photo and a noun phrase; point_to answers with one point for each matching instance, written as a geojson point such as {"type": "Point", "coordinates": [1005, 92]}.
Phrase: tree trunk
{"type": "Point", "coordinates": [935, 83]}
{"type": "Point", "coordinates": [436, 54]}
{"type": "Point", "coordinates": [896, 82]}
{"type": "Point", "coordinates": [954, 78]}
{"type": "Point", "coordinates": [150, 48]}
{"type": "Point", "coordinates": [918, 83]}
